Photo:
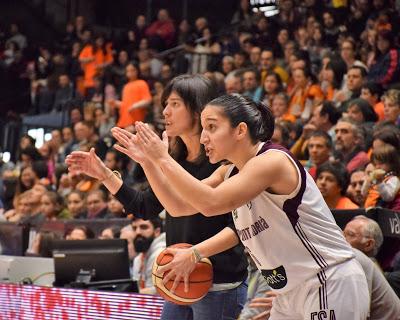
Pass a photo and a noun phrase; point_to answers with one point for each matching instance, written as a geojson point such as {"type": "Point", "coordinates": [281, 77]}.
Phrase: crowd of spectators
{"type": "Point", "coordinates": [329, 71]}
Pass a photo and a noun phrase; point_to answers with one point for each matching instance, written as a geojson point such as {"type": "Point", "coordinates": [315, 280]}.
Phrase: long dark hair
{"type": "Point", "coordinates": [257, 116]}
{"type": "Point", "coordinates": [195, 91]}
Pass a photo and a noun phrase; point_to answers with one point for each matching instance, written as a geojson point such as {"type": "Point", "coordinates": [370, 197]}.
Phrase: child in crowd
{"type": "Point", "coordinates": [383, 184]}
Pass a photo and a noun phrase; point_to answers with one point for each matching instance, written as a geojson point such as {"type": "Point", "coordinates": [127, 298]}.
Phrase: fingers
{"type": "Point", "coordinates": [121, 149]}
{"type": "Point", "coordinates": [121, 138]}
{"type": "Point", "coordinates": [120, 131]}
{"type": "Point", "coordinates": [176, 283]}
{"type": "Point", "coordinates": [260, 305]}
{"type": "Point", "coordinates": [186, 282]}
{"type": "Point", "coordinates": [144, 136]}
{"type": "Point", "coordinates": [262, 316]}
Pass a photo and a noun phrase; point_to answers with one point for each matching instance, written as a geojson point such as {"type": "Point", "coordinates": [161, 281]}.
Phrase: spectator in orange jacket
{"type": "Point", "coordinates": [332, 181]}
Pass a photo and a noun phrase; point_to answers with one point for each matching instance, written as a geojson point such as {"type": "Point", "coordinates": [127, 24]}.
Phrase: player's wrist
{"type": "Point", "coordinates": [196, 255]}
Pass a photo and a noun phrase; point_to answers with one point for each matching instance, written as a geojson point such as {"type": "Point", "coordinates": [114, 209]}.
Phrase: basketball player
{"type": "Point", "coordinates": [279, 214]}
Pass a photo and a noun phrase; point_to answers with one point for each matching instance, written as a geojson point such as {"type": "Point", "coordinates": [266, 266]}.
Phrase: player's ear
{"type": "Point", "coordinates": [241, 130]}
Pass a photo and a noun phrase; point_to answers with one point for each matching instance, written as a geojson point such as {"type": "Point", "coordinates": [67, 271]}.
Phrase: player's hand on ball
{"type": "Point", "coordinates": [153, 147]}
{"type": "Point", "coordinates": [180, 267]}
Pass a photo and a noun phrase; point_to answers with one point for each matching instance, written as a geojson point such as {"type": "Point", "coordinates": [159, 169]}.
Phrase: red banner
{"type": "Point", "coordinates": [19, 302]}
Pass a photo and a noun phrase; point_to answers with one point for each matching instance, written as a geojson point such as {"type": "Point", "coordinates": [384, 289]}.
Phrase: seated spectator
{"type": "Point", "coordinates": [365, 235]}
{"type": "Point", "coordinates": [355, 78]}
{"type": "Point", "coordinates": [97, 205]}
{"type": "Point", "coordinates": [332, 181]}
{"type": "Point", "coordinates": [280, 108]}
{"type": "Point", "coordinates": [52, 206]}
{"type": "Point", "coordinates": [227, 65]}
{"type": "Point", "coordinates": [349, 144]}
{"type": "Point", "coordinates": [332, 78]}
{"type": "Point", "coordinates": [272, 85]}
{"type": "Point", "coordinates": [103, 122]}
{"type": "Point", "coordinates": [361, 112]}
{"type": "Point", "coordinates": [80, 233]}
{"type": "Point", "coordinates": [115, 208]}
{"type": "Point", "coordinates": [162, 31]}
{"type": "Point", "coordinates": [372, 93]}
{"type": "Point", "coordinates": [391, 103]}
{"type": "Point", "coordinates": [385, 68]}
{"type": "Point", "coordinates": [268, 65]}
{"type": "Point", "coordinates": [64, 93]}
{"type": "Point", "coordinates": [281, 134]}
{"type": "Point", "coordinates": [384, 302]}
{"type": "Point", "coordinates": [348, 53]}
{"type": "Point", "coordinates": [17, 36]}
{"type": "Point", "coordinates": [76, 204]}
{"type": "Point", "coordinates": [305, 95]}
{"type": "Point", "coordinates": [233, 83]}
{"type": "Point", "coordinates": [319, 148]}
{"type": "Point", "coordinates": [85, 133]}
{"type": "Point", "coordinates": [324, 118]}
{"type": "Point", "coordinates": [112, 232]}
{"type": "Point", "coordinates": [23, 207]}
{"type": "Point", "coordinates": [28, 155]}
{"type": "Point", "coordinates": [387, 134]}
{"type": "Point", "coordinates": [251, 87]}
{"type": "Point", "coordinates": [149, 242]}
{"type": "Point", "coordinates": [43, 244]}
{"type": "Point", "coordinates": [354, 190]}
{"type": "Point", "coordinates": [383, 184]}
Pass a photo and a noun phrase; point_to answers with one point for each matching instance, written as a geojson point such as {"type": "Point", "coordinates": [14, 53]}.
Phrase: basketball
{"type": "Point", "coordinates": [200, 280]}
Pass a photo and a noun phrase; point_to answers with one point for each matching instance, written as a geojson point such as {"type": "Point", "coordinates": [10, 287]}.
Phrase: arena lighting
{"type": "Point", "coordinates": [268, 7]}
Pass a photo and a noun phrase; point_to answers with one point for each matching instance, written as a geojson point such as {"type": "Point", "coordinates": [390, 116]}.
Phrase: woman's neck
{"type": "Point", "coordinates": [244, 153]}
{"type": "Point", "coordinates": [192, 143]}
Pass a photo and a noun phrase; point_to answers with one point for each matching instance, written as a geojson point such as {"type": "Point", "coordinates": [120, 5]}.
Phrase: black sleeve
{"type": "Point", "coordinates": [142, 204]}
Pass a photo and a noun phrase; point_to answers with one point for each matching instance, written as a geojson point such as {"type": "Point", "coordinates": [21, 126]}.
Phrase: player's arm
{"type": "Point", "coordinates": [169, 197]}
{"type": "Point", "coordinates": [258, 174]}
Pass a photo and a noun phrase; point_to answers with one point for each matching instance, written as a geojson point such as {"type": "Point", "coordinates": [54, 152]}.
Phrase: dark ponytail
{"type": "Point", "coordinates": [257, 116]}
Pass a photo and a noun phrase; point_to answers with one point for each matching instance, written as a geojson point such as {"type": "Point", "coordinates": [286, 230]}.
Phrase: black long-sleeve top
{"type": "Point", "coordinates": [228, 266]}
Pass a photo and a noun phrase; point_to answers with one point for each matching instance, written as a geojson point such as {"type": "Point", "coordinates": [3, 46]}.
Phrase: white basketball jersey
{"type": "Point", "coordinates": [291, 238]}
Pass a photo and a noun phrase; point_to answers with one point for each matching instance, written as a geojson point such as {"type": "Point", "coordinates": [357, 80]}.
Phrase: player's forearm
{"type": "Point", "coordinates": [167, 195]}
{"type": "Point", "coordinates": [199, 195]}
{"type": "Point", "coordinates": [222, 241]}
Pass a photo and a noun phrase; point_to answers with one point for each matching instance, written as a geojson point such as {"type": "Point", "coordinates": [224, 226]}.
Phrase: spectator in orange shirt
{"type": "Point", "coordinates": [332, 181]}
{"type": "Point", "coordinates": [305, 94]}
{"type": "Point", "coordinates": [136, 98]}
{"type": "Point", "coordinates": [93, 58]}
{"type": "Point", "coordinates": [372, 92]}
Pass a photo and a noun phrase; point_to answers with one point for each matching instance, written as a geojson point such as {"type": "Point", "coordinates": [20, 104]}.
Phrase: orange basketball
{"type": "Point", "coordinates": [200, 280]}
